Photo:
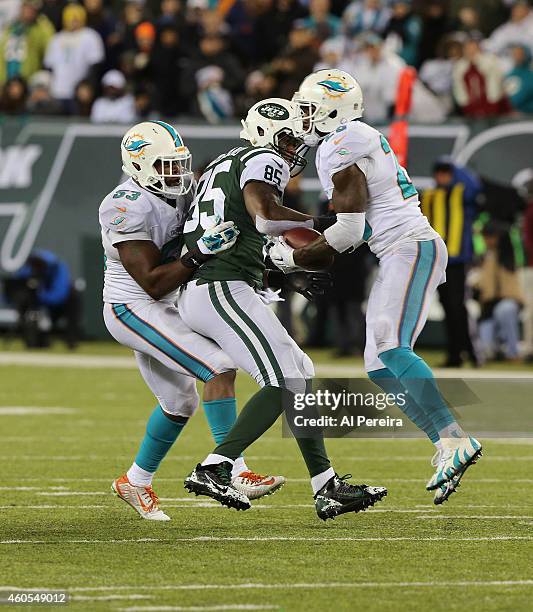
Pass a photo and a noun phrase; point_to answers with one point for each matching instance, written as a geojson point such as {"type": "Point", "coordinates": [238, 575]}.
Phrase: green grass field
{"type": "Point", "coordinates": [61, 528]}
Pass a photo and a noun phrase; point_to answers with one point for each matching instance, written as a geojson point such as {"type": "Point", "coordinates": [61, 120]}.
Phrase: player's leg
{"type": "Point", "coordinates": [178, 400]}
{"type": "Point", "coordinates": [411, 275]}
{"type": "Point", "coordinates": [166, 354]}
{"type": "Point", "coordinates": [378, 373]}
{"type": "Point", "coordinates": [220, 409]}
{"type": "Point", "coordinates": [174, 352]}
{"type": "Point", "coordinates": [249, 332]}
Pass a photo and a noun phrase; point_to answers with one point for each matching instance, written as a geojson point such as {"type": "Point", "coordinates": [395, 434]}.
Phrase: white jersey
{"type": "Point", "coordinates": [130, 212]}
{"type": "Point", "coordinates": [393, 214]}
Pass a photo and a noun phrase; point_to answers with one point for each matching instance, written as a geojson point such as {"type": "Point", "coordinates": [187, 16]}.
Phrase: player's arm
{"type": "Point", "coordinates": [141, 259]}
{"type": "Point", "coordinates": [349, 201]}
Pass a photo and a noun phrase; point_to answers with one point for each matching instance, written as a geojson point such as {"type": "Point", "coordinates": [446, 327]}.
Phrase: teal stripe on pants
{"type": "Point", "coordinates": [424, 266]}
{"type": "Point", "coordinates": [156, 339]}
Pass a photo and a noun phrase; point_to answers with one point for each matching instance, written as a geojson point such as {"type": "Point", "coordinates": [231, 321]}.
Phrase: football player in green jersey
{"type": "Point", "coordinates": [245, 185]}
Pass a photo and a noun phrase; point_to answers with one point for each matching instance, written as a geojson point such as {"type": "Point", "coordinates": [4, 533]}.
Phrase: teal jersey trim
{"type": "Point", "coordinates": [155, 338]}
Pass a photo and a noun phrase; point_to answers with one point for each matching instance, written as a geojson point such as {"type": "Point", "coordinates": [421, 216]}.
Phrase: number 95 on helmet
{"type": "Point", "coordinates": [155, 156]}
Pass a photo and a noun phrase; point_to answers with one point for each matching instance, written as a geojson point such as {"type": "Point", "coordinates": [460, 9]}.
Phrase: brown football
{"type": "Point", "coordinates": [302, 236]}
{"type": "Point", "coordinates": [299, 237]}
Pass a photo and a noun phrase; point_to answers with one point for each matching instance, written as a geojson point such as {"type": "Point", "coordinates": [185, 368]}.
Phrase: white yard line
{"type": "Point", "coordinates": [200, 608]}
{"type": "Point", "coordinates": [206, 539]}
{"type": "Point", "coordinates": [127, 362]}
{"type": "Point", "coordinates": [263, 586]}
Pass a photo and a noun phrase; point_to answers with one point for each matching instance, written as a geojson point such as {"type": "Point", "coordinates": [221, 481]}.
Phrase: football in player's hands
{"type": "Point", "coordinates": [299, 237]}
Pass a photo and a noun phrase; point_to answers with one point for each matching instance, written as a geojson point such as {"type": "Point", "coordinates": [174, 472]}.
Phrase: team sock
{"type": "Point", "coordinates": [386, 380]}
{"type": "Point", "coordinates": [417, 379]}
{"type": "Point", "coordinates": [318, 481]}
{"type": "Point", "coordinates": [139, 477]}
{"type": "Point", "coordinates": [162, 431]}
{"type": "Point", "coordinates": [221, 415]}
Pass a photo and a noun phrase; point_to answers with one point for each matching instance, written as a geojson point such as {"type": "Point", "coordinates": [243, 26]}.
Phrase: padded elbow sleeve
{"type": "Point", "coordinates": [347, 232]}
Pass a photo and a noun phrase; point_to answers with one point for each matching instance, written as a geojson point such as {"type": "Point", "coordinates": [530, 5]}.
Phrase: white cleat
{"type": "Point", "coordinates": [443, 492]}
{"type": "Point", "coordinates": [142, 499]}
{"type": "Point", "coordinates": [255, 485]}
{"type": "Point", "coordinates": [457, 455]}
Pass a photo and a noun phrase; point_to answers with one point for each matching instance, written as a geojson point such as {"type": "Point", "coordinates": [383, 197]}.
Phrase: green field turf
{"type": "Point", "coordinates": [61, 528]}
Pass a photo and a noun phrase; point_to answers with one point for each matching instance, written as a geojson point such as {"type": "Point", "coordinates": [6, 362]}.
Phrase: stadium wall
{"type": "Point", "coordinates": [53, 175]}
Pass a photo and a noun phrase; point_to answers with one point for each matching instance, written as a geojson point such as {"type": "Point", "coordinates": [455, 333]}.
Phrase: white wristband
{"type": "Point", "coordinates": [347, 232]}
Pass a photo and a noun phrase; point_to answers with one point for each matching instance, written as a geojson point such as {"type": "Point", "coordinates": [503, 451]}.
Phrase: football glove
{"type": "Point", "coordinates": [308, 284]}
{"type": "Point", "coordinates": [218, 238]}
{"type": "Point", "coordinates": [281, 255]}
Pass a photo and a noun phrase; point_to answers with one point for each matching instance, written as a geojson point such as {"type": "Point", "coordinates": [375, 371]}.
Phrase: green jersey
{"type": "Point", "coordinates": [220, 193]}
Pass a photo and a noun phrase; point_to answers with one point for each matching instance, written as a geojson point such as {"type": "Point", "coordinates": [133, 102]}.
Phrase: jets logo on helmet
{"type": "Point", "coordinates": [154, 155]}
{"type": "Point", "coordinates": [327, 99]}
{"type": "Point", "coordinates": [273, 111]}
{"type": "Point", "coordinates": [135, 144]}
{"type": "Point", "coordinates": [335, 87]}
{"type": "Point", "coordinates": [277, 124]}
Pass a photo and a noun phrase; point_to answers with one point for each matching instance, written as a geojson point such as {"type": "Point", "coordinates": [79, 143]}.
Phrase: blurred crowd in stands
{"type": "Point", "coordinates": [120, 60]}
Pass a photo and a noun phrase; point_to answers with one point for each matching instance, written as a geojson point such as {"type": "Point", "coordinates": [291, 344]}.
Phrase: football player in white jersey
{"type": "Point", "coordinates": [375, 201]}
{"type": "Point", "coordinates": [142, 221]}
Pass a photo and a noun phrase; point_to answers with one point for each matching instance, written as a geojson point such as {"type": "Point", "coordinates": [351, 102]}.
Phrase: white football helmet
{"type": "Point", "coordinates": [154, 155]}
{"type": "Point", "coordinates": [327, 99]}
{"type": "Point", "coordinates": [277, 124]}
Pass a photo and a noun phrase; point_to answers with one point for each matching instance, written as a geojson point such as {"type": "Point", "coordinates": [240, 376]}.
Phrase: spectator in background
{"type": "Point", "coordinates": [437, 74]}
{"type": "Point", "coordinates": [115, 105]}
{"type": "Point", "coordinates": [145, 35]}
{"type": "Point", "coordinates": [74, 54]}
{"type": "Point", "coordinates": [296, 61]}
{"type": "Point", "coordinates": [435, 25]}
{"type": "Point", "coordinates": [451, 208]}
{"type": "Point", "coordinates": [49, 292]}
{"type": "Point", "coordinates": [23, 43]}
{"type": "Point", "coordinates": [518, 30]}
{"type": "Point", "coordinates": [9, 10]}
{"type": "Point", "coordinates": [83, 99]}
{"type": "Point", "coordinates": [365, 16]}
{"type": "Point", "coordinates": [133, 15]}
{"type": "Point", "coordinates": [404, 32]}
{"type": "Point", "coordinates": [478, 82]}
{"type": "Point", "coordinates": [467, 20]}
{"type": "Point", "coordinates": [331, 53]}
{"type": "Point", "coordinates": [377, 71]}
{"type": "Point", "coordinates": [322, 23]}
{"type": "Point", "coordinates": [13, 97]}
{"type": "Point", "coordinates": [500, 295]}
{"type": "Point", "coordinates": [40, 100]}
{"type": "Point", "coordinates": [272, 27]}
{"type": "Point", "coordinates": [241, 21]}
{"type": "Point", "coordinates": [258, 86]}
{"type": "Point", "coordinates": [527, 273]}
{"type": "Point", "coordinates": [53, 9]}
{"type": "Point", "coordinates": [166, 63]}
{"type": "Point", "coordinates": [518, 82]}
{"type": "Point", "coordinates": [171, 15]}
{"type": "Point", "coordinates": [214, 102]}
{"type": "Point", "coordinates": [213, 52]}
{"type": "Point", "coordinates": [101, 20]}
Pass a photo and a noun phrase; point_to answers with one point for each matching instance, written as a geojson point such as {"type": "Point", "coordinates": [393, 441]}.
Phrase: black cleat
{"type": "Point", "coordinates": [338, 497]}
{"type": "Point", "coordinates": [214, 481]}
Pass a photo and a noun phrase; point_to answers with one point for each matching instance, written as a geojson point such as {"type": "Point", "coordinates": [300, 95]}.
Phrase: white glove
{"type": "Point", "coordinates": [282, 255]}
{"type": "Point", "coordinates": [218, 238]}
